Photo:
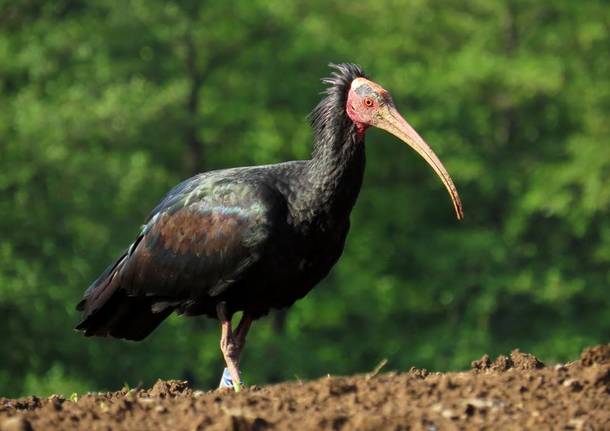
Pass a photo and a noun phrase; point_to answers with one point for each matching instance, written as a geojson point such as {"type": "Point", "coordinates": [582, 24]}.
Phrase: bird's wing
{"type": "Point", "coordinates": [201, 238]}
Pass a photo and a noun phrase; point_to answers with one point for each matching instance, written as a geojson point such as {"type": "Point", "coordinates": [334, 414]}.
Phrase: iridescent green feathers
{"type": "Point", "coordinates": [201, 238]}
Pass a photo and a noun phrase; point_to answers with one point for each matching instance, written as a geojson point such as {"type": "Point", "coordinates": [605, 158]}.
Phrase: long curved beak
{"type": "Point", "coordinates": [390, 120]}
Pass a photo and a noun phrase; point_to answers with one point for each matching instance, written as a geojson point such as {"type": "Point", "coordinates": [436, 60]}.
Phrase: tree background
{"type": "Point", "coordinates": [105, 105]}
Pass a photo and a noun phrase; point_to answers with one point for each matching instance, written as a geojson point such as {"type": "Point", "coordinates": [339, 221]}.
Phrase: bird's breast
{"type": "Point", "coordinates": [310, 253]}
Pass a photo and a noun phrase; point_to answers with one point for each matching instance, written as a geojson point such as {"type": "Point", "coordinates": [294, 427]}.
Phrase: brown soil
{"type": "Point", "coordinates": [513, 392]}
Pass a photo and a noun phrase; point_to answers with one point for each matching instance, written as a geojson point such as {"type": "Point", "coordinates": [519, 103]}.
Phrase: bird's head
{"type": "Point", "coordinates": [369, 104]}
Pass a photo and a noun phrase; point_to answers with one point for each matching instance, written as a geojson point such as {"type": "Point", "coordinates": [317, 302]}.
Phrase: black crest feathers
{"type": "Point", "coordinates": [342, 77]}
{"type": "Point", "coordinates": [332, 108]}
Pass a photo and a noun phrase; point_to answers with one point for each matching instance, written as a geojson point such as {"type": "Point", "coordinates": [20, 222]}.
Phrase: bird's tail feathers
{"type": "Point", "coordinates": [108, 309]}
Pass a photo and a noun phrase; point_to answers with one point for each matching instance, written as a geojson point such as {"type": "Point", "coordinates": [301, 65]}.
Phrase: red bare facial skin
{"type": "Point", "coordinates": [354, 115]}
{"type": "Point", "coordinates": [363, 101]}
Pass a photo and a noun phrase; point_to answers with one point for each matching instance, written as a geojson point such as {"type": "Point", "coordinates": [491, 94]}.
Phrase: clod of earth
{"type": "Point", "coordinates": [511, 392]}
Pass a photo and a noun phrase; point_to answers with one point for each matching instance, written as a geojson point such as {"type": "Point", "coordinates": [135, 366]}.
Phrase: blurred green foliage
{"type": "Point", "coordinates": [104, 105]}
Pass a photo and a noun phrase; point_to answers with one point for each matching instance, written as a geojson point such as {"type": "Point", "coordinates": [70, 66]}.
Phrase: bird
{"type": "Point", "coordinates": [252, 239]}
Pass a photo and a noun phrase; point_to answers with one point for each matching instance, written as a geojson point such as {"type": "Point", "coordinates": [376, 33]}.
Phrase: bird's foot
{"type": "Point", "coordinates": [226, 381]}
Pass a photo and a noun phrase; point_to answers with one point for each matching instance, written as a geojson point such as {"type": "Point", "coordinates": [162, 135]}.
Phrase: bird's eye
{"type": "Point", "coordinates": [368, 102]}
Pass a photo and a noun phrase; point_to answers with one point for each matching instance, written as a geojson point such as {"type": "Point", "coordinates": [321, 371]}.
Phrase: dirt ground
{"type": "Point", "coordinates": [513, 392]}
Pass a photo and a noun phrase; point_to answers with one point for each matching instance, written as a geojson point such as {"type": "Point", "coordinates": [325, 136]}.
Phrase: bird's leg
{"type": "Point", "coordinates": [228, 345]}
{"type": "Point", "coordinates": [242, 331]}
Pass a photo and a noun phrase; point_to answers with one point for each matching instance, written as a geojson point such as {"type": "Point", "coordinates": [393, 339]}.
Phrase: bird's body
{"type": "Point", "coordinates": [243, 239]}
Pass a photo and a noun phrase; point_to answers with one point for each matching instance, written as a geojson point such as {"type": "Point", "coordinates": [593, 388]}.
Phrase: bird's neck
{"type": "Point", "coordinates": [334, 174]}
